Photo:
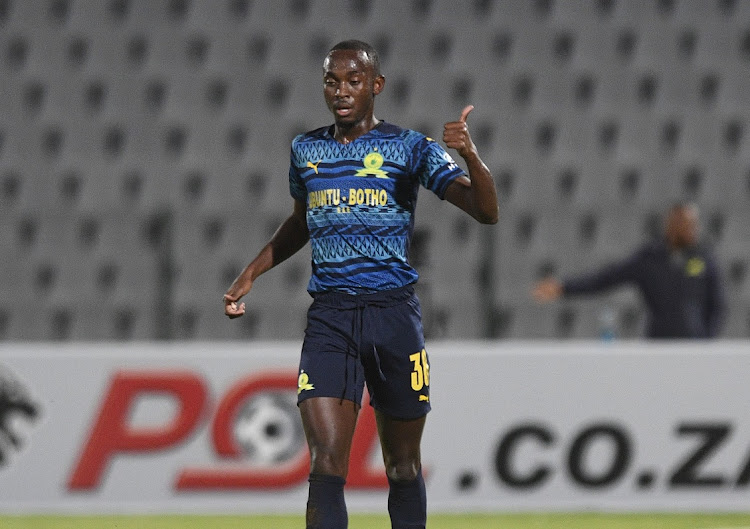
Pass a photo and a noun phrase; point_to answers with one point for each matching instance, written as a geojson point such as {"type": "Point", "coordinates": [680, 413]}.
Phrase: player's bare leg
{"type": "Point", "coordinates": [329, 427]}
{"type": "Point", "coordinates": [400, 441]}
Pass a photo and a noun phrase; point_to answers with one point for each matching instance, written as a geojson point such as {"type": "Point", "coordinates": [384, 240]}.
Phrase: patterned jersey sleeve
{"type": "Point", "coordinates": [435, 167]}
{"type": "Point", "coordinates": [296, 183]}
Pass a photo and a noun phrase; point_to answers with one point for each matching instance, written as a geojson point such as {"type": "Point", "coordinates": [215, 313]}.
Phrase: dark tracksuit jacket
{"type": "Point", "coordinates": [682, 290]}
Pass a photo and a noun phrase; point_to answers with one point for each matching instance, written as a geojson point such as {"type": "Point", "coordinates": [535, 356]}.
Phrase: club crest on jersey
{"type": "Point", "coordinates": [695, 267]}
{"type": "Point", "coordinates": [373, 163]}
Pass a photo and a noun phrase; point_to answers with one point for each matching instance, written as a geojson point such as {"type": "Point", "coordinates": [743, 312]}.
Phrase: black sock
{"type": "Point", "coordinates": [326, 508]}
{"type": "Point", "coordinates": [407, 503]}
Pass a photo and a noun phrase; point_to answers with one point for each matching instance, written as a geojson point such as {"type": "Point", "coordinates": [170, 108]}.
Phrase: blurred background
{"type": "Point", "coordinates": [144, 149]}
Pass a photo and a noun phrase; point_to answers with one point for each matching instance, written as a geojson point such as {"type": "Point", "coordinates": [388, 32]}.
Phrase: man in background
{"type": "Point", "coordinates": [678, 280]}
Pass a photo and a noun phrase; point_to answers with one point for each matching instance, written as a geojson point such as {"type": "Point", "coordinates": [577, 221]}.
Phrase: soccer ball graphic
{"type": "Point", "coordinates": [268, 428]}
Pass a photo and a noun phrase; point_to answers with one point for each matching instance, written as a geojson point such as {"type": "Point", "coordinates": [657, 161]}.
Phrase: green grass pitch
{"type": "Point", "coordinates": [437, 521]}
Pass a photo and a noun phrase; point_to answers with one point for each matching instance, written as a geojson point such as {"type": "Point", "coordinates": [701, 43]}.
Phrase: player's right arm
{"type": "Point", "coordinates": [291, 236]}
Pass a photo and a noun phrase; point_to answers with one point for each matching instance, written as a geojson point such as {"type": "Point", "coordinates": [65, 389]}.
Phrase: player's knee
{"type": "Point", "coordinates": [328, 461]}
{"type": "Point", "coordinates": [402, 471]}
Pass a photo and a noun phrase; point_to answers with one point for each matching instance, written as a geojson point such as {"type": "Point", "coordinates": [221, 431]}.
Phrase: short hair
{"type": "Point", "coordinates": [358, 45]}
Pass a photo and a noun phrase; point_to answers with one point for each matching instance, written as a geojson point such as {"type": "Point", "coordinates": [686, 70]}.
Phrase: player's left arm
{"type": "Point", "coordinates": [475, 195]}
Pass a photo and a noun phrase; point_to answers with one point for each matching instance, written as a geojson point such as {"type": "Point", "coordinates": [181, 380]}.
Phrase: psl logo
{"type": "Point", "coordinates": [253, 427]}
{"type": "Point", "coordinates": [14, 400]}
{"type": "Point", "coordinates": [373, 163]}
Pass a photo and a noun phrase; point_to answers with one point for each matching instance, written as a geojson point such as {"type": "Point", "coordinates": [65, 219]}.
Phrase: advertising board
{"type": "Point", "coordinates": [213, 427]}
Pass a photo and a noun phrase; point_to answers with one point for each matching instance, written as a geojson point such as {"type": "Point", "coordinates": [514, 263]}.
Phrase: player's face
{"type": "Point", "coordinates": [350, 86]}
{"type": "Point", "coordinates": [682, 227]}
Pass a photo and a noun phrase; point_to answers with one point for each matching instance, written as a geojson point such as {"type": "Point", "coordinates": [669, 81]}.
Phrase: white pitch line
{"type": "Point", "coordinates": [730, 527]}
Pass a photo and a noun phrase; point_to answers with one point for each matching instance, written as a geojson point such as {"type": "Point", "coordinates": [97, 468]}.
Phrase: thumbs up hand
{"type": "Point", "coordinates": [456, 134]}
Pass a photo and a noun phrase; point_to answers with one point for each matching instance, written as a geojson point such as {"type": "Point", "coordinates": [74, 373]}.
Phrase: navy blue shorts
{"type": "Point", "coordinates": [371, 338]}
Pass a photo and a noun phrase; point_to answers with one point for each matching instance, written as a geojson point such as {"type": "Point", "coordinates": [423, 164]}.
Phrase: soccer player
{"type": "Point", "coordinates": [678, 279]}
{"type": "Point", "coordinates": [354, 186]}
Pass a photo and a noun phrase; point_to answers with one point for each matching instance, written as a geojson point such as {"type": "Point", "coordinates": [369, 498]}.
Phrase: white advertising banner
{"type": "Point", "coordinates": [213, 427]}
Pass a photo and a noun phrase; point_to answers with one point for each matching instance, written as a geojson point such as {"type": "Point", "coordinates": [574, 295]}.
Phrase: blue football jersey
{"type": "Point", "coordinates": [360, 203]}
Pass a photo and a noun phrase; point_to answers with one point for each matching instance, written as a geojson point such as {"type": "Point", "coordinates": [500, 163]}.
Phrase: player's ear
{"type": "Point", "coordinates": [378, 84]}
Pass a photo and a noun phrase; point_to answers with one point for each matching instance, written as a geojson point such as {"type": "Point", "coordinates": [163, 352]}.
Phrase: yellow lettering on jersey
{"type": "Point", "coordinates": [367, 197]}
{"type": "Point", "coordinates": [324, 197]}
{"type": "Point", "coordinates": [357, 197]}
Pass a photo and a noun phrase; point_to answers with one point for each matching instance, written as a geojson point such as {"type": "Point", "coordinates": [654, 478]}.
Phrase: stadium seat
{"type": "Point", "coordinates": [144, 149]}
